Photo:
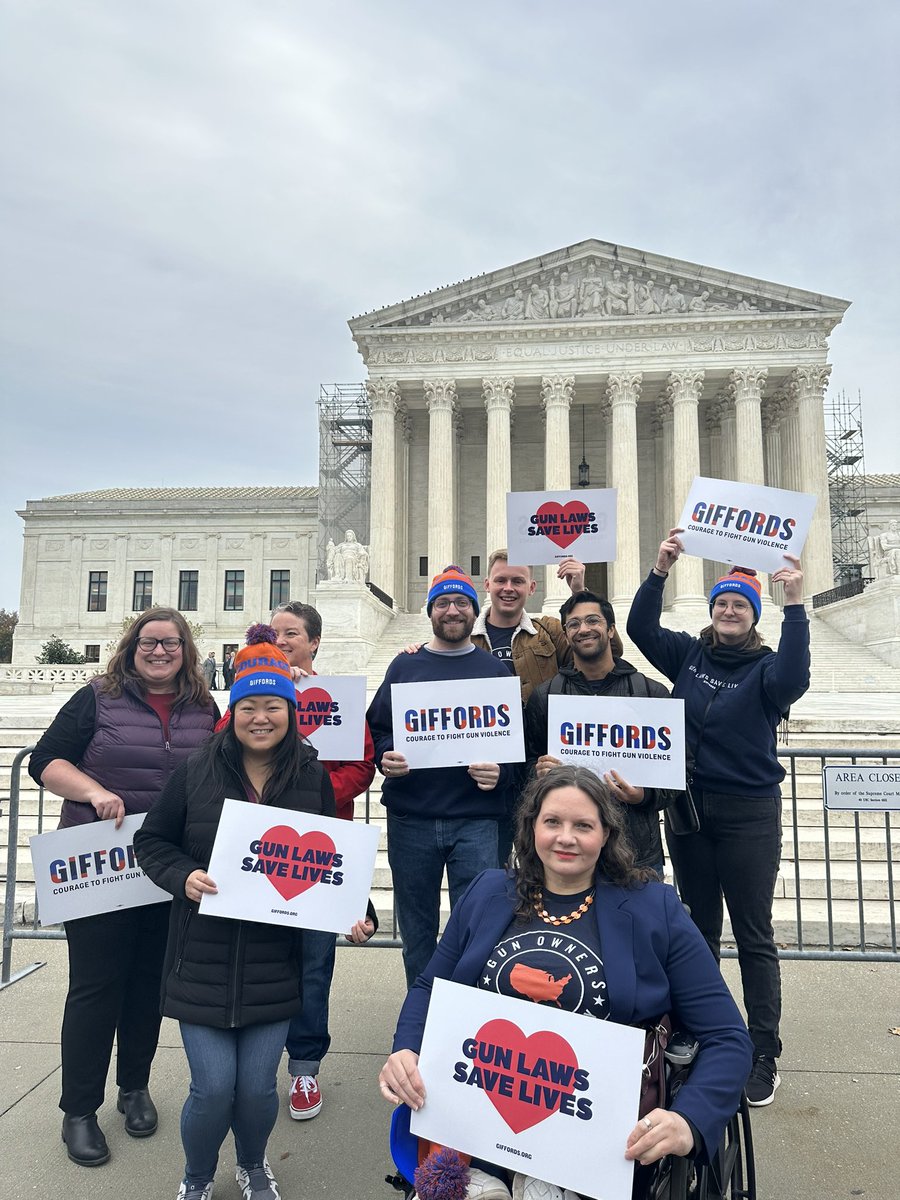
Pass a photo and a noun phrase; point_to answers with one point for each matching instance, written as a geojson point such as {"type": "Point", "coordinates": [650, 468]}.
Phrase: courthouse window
{"type": "Point", "coordinates": [475, 569]}
{"type": "Point", "coordinates": [97, 591]}
{"type": "Point", "coordinates": [279, 588]}
{"type": "Point", "coordinates": [423, 564]}
{"type": "Point", "coordinates": [92, 653]}
{"type": "Point", "coordinates": [143, 591]}
{"type": "Point", "coordinates": [187, 591]}
{"type": "Point", "coordinates": [234, 591]}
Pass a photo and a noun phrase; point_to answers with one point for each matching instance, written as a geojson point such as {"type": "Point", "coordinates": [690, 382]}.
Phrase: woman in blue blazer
{"type": "Point", "coordinates": [636, 956]}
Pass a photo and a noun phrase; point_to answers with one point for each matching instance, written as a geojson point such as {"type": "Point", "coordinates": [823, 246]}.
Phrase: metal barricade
{"type": "Point", "coordinates": [13, 930]}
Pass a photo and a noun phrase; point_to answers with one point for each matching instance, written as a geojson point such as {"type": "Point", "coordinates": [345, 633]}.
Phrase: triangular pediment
{"type": "Point", "coordinates": [596, 281]}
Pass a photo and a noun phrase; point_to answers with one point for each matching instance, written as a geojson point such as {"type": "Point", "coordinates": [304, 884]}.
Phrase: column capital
{"type": "Point", "coordinates": [459, 424]}
{"type": "Point", "coordinates": [384, 394]}
{"type": "Point", "coordinates": [774, 411]}
{"type": "Point", "coordinates": [557, 391]}
{"type": "Point", "coordinates": [685, 385]}
{"type": "Point", "coordinates": [402, 421]}
{"type": "Point", "coordinates": [807, 380]}
{"type": "Point", "coordinates": [747, 383]}
{"type": "Point", "coordinates": [624, 388]}
{"type": "Point", "coordinates": [664, 405]}
{"type": "Point", "coordinates": [440, 394]}
{"type": "Point", "coordinates": [499, 394]}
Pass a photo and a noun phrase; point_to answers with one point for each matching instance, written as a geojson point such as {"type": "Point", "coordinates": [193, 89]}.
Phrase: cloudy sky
{"type": "Point", "coordinates": [196, 195]}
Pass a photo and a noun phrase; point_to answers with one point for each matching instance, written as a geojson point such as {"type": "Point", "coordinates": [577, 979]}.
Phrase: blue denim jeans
{"type": "Point", "coordinates": [232, 1087]}
{"type": "Point", "coordinates": [418, 850]}
{"type": "Point", "coordinates": [736, 854]}
{"type": "Point", "coordinates": [308, 1038]}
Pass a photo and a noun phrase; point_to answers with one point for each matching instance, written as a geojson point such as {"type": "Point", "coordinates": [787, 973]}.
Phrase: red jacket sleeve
{"type": "Point", "coordinates": [350, 779]}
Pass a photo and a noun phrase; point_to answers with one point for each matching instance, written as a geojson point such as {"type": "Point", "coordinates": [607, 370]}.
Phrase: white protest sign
{"type": "Point", "coordinates": [90, 869]}
{"type": "Point", "coordinates": [546, 527]}
{"type": "Point", "coordinates": [289, 868]}
{"type": "Point", "coordinates": [530, 1087]}
{"type": "Point", "coordinates": [331, 712]}
{"type": "Point", "coordinates": [642, 739]}
{"type": "Point", "coordinates": [455, 722]}
{"type": "Point", "coordinates": [862, 789]}
{"type": "Point", "coordinates": [744, 523]}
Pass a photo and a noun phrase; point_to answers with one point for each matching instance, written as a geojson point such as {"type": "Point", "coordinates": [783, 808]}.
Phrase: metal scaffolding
{"type": "Point", "coordinates": [847, 489]}
{"type": "Point", "coordinates": [345, 459]}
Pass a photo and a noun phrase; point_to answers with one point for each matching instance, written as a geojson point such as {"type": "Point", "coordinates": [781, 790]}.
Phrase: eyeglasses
{"type": "Point", "coordinates": [592, 622]}
{"type": "Point", "coordinates": [148, 644]}
{"type": "Point", "coordinates": [460, 603]}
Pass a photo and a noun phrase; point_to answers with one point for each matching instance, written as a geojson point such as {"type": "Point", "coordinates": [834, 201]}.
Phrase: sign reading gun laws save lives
{"type": "Point", "coordinates": [546, 527]}
{"type": "Point", "coordinates": [532, 1088]}
{"type": "Point", "coordinates": [745, 524]}
{"type": "Point", "coordinates": [89, 869]}
{"type": "Point", "coordinates": [642, 739]}
{"type": "Point", "coordinates": [471, 721]}
{"type": "Point", "coordinates": [289, 868]}
{"type": "Point", "coordinates": [331, 712]}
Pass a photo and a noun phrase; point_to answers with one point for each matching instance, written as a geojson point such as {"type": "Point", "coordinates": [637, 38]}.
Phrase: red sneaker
{"type": "Point", "coordinates": [305, 1098]}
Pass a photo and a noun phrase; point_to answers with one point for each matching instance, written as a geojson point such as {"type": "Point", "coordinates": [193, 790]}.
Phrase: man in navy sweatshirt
{"type": "Point", "coordinates": [443, 816]}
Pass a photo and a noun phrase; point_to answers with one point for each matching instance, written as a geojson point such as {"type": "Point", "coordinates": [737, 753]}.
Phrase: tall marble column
{"type": "Point", "coordinates": [727, 421]}
{"type": "Point", "coordinates": [402, 432]}
{"type": "Point", "coordinates": [664, 492]}
{"type": "Point", "coordinates": [623, 391]}
{"type": "Point", "coordinates": [163, 591]}
{"type": "Point", "coordinates": [684, 389]}
{"type": "Point", "coordinates": [256, 589]}
{"type": "Point", "coordinates": [440, 400]}
{"type": "Point", "coordinates": [746, 386]}
{"type": "Point", "coordinates": [557, 394]}
{"type": "Point", "coordinates": [383, 398]}
{"type": "Point", "coordinates": [499, 397]}
{"type": "Point", "coordinates": [790, 444]}
{"type": "Point", "coordinates": [772, 416]}
{"type": "Point", "coordinates": [808, 385]}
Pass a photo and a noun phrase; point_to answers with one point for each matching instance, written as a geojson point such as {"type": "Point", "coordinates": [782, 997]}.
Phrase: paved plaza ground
{"type": "Point", "coordinates": [831, 1133]}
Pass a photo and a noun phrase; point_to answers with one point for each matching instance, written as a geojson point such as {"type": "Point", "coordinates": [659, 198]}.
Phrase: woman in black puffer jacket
{"type": "Point", "coordinates": [233, 985]}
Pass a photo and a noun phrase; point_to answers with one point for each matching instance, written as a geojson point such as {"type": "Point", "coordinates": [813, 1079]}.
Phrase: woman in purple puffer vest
{"type": "Point", "coordinates": [109, 752]}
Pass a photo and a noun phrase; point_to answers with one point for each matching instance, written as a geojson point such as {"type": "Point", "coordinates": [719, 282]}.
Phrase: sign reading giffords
{"type": "Point", "coordinates": [454, 723]}
{"type": "Point", "coordinates": [641, 739]}
{"type": "Point", "coordinates": [90, 869]}
{"type": "Point", "coordinates": [550, 1093]}
{"type": "Point", "coordinates": [744, 523]}
{"type": "Point", "coordinates": [546, 527]}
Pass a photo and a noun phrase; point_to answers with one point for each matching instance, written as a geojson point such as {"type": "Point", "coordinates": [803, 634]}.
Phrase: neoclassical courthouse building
{"type": "Point", "coordinates": [639, 370]}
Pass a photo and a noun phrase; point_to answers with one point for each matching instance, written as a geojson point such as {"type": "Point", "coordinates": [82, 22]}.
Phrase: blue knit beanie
{"type": "Point", "coordinates": [451, 579]}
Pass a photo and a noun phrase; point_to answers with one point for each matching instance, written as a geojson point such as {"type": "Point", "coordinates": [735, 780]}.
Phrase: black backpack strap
{"type": "Point", "coordinates": [557, 685]}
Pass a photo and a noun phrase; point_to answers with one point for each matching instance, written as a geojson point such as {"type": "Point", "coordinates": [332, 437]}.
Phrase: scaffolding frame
{"type": "Point", "coordinates": [345, 465]}
{"type": "Point", "coordinates": [847, 489]}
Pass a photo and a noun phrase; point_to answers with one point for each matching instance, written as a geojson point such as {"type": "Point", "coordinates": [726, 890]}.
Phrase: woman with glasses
{"type": "Point", "coordinates": [109, 752]}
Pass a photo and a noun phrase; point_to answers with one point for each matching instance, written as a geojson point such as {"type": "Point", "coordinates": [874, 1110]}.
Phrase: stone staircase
{"type": "Point", "coordinates": [854, 703]}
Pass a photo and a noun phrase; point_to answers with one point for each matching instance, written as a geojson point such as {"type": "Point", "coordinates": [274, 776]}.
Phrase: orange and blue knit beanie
{"type": "Point", "coordinates": [451, 580]}
{"type": "Point", "coordinates": [261, 669]}
{"type": "Point", "coordinates": [744, 581]}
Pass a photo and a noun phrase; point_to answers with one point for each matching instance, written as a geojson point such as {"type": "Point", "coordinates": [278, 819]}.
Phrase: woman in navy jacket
{"type": "Point", "coordinates": [735, 692]}
{"type": "Point", "coordinates": [638, 956]}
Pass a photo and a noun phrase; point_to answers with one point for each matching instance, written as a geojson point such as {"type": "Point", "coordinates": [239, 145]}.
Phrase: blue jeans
{"type": "Point", "coordinates": [736, 853]}
{"type": "Point", "coordinates": [419, 849]}
{"type": "Point", "coordinates": [232, 1087]}
{"type": "Point", "coordinates": [308, 1038]}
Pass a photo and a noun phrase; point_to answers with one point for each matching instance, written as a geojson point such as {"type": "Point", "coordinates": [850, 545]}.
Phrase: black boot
{"type": "Point", "coordinates": [141, 1118]}
{"type": "Point", "coordinates": [84, 1140]}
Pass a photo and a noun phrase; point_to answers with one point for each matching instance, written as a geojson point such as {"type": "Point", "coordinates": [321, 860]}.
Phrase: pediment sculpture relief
{"type": "Point", "coordinates": [592, 290]}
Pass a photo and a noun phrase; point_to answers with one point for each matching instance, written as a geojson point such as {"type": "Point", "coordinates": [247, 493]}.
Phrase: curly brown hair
{"type": "Point", "coordinates": [190, 686]}
{"type": "Point", "coordinates": [616, 863]}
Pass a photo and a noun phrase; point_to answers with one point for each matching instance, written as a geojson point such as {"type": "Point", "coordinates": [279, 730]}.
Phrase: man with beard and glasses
{"type": "Point", "coordinates": [590, 627]}
{"type": "Point", "coordinates": [443, 816]}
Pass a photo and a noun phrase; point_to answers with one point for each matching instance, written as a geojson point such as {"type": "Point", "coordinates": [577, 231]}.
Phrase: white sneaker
{"type": "Point", "coordinates": [258, 1184]}
{"type": "Point", "coordinates": [195, 1193]}
{"type": "Point", "coordinates": [486, 1187]}
{"type": "Point", "coordinates": [526, 1187]}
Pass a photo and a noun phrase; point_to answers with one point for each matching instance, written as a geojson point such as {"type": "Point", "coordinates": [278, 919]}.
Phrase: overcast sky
{"type": "Point", "coordinates": [196, 195]}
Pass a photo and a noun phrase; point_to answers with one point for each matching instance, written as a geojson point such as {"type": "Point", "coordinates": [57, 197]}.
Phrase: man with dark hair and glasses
{"type": "Point", "coordinates": [598, 669]}
{"type": "Point", "coordinates": [444, 817]}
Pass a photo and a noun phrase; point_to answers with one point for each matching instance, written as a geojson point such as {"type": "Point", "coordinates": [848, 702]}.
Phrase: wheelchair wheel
{"type": "Point", "coordinates": [730, 1176]}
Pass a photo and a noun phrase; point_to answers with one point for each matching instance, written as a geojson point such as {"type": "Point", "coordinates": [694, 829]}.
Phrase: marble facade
{"type": "Point", "coordinates": [161, 538]}
{"type": "Point", "coordinates": [479, 388]}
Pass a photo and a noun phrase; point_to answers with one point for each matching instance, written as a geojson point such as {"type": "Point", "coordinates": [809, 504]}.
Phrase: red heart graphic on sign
{"type": "Point", "coordinates": [542, 1084]}
{"type": "Point", "coordinates": [313, 706]}
{"type": "Point", "coordinates": [307, 857]}
{"type": "Point", "coordinates": [574, 513]}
